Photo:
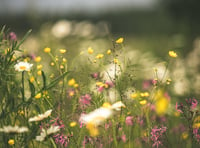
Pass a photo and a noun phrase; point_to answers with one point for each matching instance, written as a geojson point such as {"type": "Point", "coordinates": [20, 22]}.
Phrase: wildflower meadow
{"type": "Point", "coordinates": [83, 92]}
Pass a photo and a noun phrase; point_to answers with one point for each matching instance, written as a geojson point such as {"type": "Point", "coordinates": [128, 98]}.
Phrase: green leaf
{"type": "Point", "coordinates": [23, 39]}
{"type": "Point", "coordinates": [44, 80]}
{"type": "Point", "coordinates": [56, 80]}
{"type": "Point", "coordinates": [32, 89]}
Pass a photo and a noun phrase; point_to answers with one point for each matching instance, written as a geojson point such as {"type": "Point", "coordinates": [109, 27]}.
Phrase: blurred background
{"type": "Point", "coordinates": [152, 25]}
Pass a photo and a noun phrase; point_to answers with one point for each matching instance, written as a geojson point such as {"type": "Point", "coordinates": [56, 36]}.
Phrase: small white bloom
{"type": "Point", "coordinates": [101, 114]}
{"type": "Point", "coordinates": [53, 129]}
{"type": "Point", "coordinates": [118, 105]}
{"type": "Point", "coordinates": [41, 116]}
{"type": "Point", "coordinates": [97, 116]}
{"type": "Point", "coordinates": [23, 66]}
{"type": "Point", "coordinates": [13, 129]}
{"type": "Point", "coordinates": [42, 136]}
{"type": "Point", "coordinates": [44, 133]}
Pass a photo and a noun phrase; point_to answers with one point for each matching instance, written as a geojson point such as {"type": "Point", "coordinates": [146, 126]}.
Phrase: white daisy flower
{"type": "Point", "coordinates": [13, 129]}
{"type": "Point", "coordinates": [23, 66]}
{"type": "Point", "coordinates": [101, 114]}
{"type": "Point", "coordinates": [45, 133]}
{"type": "Point", "coordinates": [41, 116]}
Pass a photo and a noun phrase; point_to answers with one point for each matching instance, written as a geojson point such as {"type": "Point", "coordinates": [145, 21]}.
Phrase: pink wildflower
{"type": "Point", "coordinates": [179, 107]}
{"type": "Point", "coordinates": [129, 120]}
{"type": "Point", "coordinates": [85, 100]}
{"type": "Point", "coordinates": [123, 137]}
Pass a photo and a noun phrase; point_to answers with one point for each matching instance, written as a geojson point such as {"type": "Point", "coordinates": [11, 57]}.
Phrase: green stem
{"type": "Point", "coordinates": [23, 97]}
{"type": "Point", "coordinates": [114, 133]}
{"type": "Point", "coordinates": [53, 143]}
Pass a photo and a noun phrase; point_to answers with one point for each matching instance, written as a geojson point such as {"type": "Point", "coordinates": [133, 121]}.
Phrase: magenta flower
{"type": "Point", "coordinates": [85, 100]}
{"type": "Point", "coordinates": [157, 135]}
{"type": "Point", "coordinates": [95, 75]}
{"type": "Point", "coordinates": [100, 89]}
{"type": "Point", "coordinates": [129, 120]}
{"type": "Point", "coordinates": [179, 107]}
{"type": "Point", "coordinates": [109, 83]}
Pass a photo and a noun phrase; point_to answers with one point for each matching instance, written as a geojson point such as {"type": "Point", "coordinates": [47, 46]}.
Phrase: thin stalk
{"type": "Point", "coordinates": [53, 143]}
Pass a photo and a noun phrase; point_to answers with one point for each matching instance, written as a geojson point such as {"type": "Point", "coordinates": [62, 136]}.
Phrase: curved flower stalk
{"type": "Point", "coordinates": [40, 116]}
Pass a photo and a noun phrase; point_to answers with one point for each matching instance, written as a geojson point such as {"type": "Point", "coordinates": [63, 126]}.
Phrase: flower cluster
{"type": "Point", "coordinates": [157, 136]}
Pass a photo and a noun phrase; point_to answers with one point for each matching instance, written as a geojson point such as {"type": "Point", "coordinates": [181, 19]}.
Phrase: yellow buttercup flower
{"type": "Point", "coordinates": [47, 50]}
{"type": "Point", "coordinates": [116, 61]}
{"type": "Point", "coordinates": [109, 51]}
{"type": "Point", "coordinates": [73, 124]}
{"type": "Point", "coordinates": [39, 72]}
{"type": "Point", "coordinates": [11, 142]}
{"type": "Point", "coordinates": [76, 85]}
{"type": "Point", "coordinates": [184, 135]}
{"type": "Point", "coordinates": [93, 130]}
{"type": "Point", "coordinates": [143, 102]}
{"type": "Point", "coordinates": [71, 82]}
{"type": "Point", "coordinates": [99, 56]}
{"type": "Point", "coordinates": [172, 54]}
{"type": "Point", "coordinates": [38, 59]}
{"type": "Point", "coordinates": [107, 105]}
{"type": "Point", "coordinates": [63, 51]}
{"type": "Point", "coordinates": [32, 79]}
{"type": "Point", "coordinates": [119, 41]}
{"type": "Point", "coordinates": [39, 66]}
{"type": "Point", "coordinates": [90, 50]}
{"type": "Point", "coordinates": [134, 95]}
{"type": "Point", "coordinates": [64, 60]}
{"type": "Point", "coordinates": [38, 96]}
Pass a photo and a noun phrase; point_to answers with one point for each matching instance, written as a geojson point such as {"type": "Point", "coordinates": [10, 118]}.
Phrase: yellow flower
{"type": "Point", "coordinates": [107, 105]}
{"type": "Point", "coordinates": [90, 50]}
{"type": "Point", "coordinates": [145, 94]}
{"type": "Point", "coordinates": [11, 142]}
{"type": "Point", "coordinates": [116, 61]}
{"type": "Point", "coordinates": [72, 124]}
{"type": "Point", "coordinates": [119, 41]}
{"type": "Point", "coordinates": [143, 102]}
{"type": "Point", "coordinates": [93, 130]}
{"type": "Point", "coordinates": [39, 66]}
{"type": "Point", "coordinates": [71, 82]}
{"type": "Point", "coordinates": [161, 105]}
{"type": "Point", "coordinates": [196, 125]}
{"type": "Point", "coordinates": [38, 59]}
{"type": "Point", "coordinates": [32, 79]}
{"type": "Point", "coordinates": [38, 96]}
{"type": "Point", "coordinates": [63, 51]}
{"type": "Point", "coordinates": [39, 72]}
{"type": "Point", "coordinates": [62, 67]}
{"type": "Point", "coordinates": [184, 135]}
{"type": "Point", "coordinates": [47, 50]}
{"type": "Point", "coordinates": [64, 60]}
{"type": "Point", "coordinates": [109, 51]}
{"type": "Point", "coordinates": [76, 85]}
{"type": "Point", "coordinates": [99, 56]}
{"type": "Point", "coordinates": [134, 95]}
{"type": "Point", "coordinates": [172, 54]}
{"type": "Point", "coordinates": [52, 63]}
